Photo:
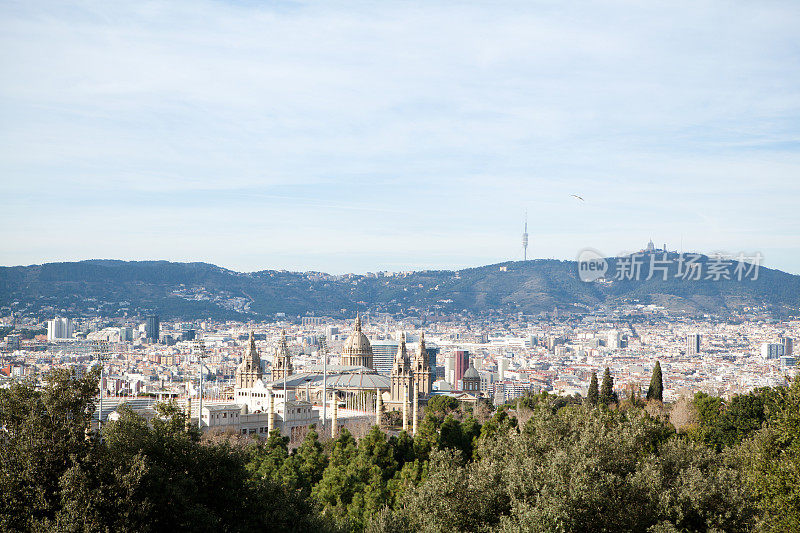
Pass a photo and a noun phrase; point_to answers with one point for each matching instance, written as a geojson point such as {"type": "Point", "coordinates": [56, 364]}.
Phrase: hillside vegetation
{"type": "Point", "coordinates": [200, 290]}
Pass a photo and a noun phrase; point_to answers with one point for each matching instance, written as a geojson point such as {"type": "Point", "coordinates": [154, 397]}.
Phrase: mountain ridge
{"type": "Point", "coordinates": [193, 290]}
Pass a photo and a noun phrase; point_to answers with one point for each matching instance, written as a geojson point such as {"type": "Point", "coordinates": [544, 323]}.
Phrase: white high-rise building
{"type": "Point", "coordinates": [613, 339]}
{"type": "Point", "coordinates": [59, 328]}
{"type": "Point", "coordinates": [450, 369]}
{"type": "Point", "coordinates": [693, 344]}
{"type": "Point", "coordinates": [331, 333]}
{"type": "Point", "coordinates": [502, 367]}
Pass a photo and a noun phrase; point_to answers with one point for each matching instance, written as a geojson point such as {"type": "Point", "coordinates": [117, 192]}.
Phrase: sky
{"type": "Point", "coordinates": [366, 136]}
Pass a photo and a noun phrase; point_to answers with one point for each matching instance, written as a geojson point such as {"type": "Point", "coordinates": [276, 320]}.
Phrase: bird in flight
{"type": "Point", "coordinates": [578, 197]}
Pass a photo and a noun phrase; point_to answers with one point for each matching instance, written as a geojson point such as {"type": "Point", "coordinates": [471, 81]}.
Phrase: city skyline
{"type": "Point", "coordinates": [356, 137]}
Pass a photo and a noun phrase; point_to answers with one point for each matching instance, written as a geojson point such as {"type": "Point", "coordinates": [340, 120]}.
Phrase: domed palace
{"type": "Point", "coordinates": [294, 401]}
{"type": "Point", "coordinates": [357, 350]}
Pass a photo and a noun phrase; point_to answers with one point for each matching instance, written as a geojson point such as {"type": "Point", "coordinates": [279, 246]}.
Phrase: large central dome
{"type": "Point", "coordinates": [357, 351]}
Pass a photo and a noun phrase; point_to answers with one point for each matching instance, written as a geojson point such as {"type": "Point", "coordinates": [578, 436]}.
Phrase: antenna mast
{"type": "Point", "coordinates": [525, 238]}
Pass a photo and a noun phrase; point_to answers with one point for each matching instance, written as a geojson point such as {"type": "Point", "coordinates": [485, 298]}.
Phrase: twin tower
{"type": "Point", "coordinates": [410, 375]}
{"type": "Point", "coordinates": [407, 373]}
{"type": "Point", "coordinates": [249, 370]}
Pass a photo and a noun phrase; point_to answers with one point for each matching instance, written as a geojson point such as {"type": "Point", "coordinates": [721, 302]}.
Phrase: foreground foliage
{"type": "Point", "coordinates": [544, 463]}
{"type": "Point", "coordinates": [139, 477]}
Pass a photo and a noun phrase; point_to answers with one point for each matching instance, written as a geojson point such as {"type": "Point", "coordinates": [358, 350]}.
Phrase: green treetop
{"type": "Point", "coordinates": [607, 395]}
{"type": "Point", "coordinates": [593, 394]}
{"type": "Point", "coordinates": [656, 390]}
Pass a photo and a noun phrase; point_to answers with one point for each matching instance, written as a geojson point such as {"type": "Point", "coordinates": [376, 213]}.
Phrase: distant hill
{"type": "Point", "coordinates": [201, 290]}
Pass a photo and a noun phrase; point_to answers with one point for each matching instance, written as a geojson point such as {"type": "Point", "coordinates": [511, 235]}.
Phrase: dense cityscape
{"type": "Point", "coordinates": [512, 356]}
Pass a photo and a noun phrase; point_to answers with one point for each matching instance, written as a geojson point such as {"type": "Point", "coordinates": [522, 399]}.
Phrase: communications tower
{"type": "Point", "coordinates": [525, 238]}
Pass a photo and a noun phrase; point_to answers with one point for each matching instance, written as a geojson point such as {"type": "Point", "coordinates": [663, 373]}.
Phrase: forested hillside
{"type": "Point", "coordinates": [200, 290]}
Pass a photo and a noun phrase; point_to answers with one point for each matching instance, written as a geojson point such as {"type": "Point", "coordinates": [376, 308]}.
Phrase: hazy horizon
{"type": "Point", "coordinates": [362, 272]}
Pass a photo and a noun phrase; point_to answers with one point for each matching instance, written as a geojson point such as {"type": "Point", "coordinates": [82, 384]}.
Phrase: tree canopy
{"type": "Point", "coordinates": [543, 463]}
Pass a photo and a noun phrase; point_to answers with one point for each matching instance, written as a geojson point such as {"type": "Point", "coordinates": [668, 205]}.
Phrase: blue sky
{"type": "Point", "coordinates": [367, 136]}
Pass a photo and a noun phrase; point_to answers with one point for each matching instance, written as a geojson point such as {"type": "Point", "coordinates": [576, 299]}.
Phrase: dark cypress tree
{"type": "Point", "coordinates": [607, 390]}
{"type": "Point", "coordinates": [656, 390]}
{"type": "Point", "coordinates": [594, 394]}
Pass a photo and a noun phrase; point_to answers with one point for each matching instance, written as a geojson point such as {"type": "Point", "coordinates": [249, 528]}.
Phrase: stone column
{"type": "Point", "coordinates": [405, 407]}
{"type": "Point", "coordinates": [415, 407]}
{"type": "Point", "coordinates": [271, 417]}
{"type": "Point", "coordinates": [378, 408]}
{"type": "Point", "coordinates": [335, 418]}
